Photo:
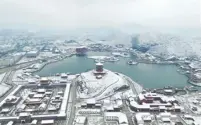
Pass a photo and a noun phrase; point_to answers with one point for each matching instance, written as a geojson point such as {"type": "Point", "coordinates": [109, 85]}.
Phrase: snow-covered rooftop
{"type": "Point", "coordinates": [140, 117]}
{"type": "Point", "coordinates": [121, 117]}
{"type": "Point", "coordinates": [99, 64]}
{"type": "Point", "coordinates": [80, 119]}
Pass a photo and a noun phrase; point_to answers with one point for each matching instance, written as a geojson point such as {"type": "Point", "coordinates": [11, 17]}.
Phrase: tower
{"type": "Point", "coordinates": [99, 67]}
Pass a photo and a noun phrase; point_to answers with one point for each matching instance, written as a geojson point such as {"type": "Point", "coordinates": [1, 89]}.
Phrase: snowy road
{"type": "Point", "coordinates": [72, 101]}
{"type": "Point", "coordinates": [136, 88]}
{"type": "Point", "coordinates": [8, 80]}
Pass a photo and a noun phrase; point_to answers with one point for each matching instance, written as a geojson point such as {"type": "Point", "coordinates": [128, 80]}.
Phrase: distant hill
{"type": "Point", "coordinates": [167, 44]}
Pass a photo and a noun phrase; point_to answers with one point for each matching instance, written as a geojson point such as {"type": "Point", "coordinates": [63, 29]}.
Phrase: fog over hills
{"type": "Point", "coordinates": [112, 21]}
{"type": "Point", "coordinates": [72, 14]}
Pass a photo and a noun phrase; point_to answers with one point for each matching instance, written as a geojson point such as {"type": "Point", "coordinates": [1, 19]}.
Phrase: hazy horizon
{"type": "Point", "coordinates": [72, 14]}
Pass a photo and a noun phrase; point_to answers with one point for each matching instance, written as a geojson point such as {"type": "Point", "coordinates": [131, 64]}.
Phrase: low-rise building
{"type": "Point", "coordinates": [141, 118]}
{"type": "Point", "coordinates": [44, 81]}
{"type": "Point", "coordinates": [34, 122]}
{"type": "Point", "coordinates": [116, 116]}
{"type": "Point", "coordinates": [80, 120]}
{"type": "Point", "coordinates": [166, 117]}
{"type": "Point", "coordinates": [12, 100]}
{"type": "Point", "coordinates": [47, 122]}
{"type": "Point", "coordinates": [10, 123]}
{"type": "Point", "coordinates": [91, 103]}
{"type": "Point", "coordinates": [155, 103]}
{"type": "Point", "coordinates": [64, 75]}
{"type": "Point", "coordinates": [32, 54]}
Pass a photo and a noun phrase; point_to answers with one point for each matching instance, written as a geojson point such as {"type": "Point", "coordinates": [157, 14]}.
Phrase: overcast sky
{"type": "Point", "coordinates": [96, 13]}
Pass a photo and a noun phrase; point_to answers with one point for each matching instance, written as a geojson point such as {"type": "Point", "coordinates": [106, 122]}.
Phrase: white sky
{"type": "Point", "coordinates": [96, 13]}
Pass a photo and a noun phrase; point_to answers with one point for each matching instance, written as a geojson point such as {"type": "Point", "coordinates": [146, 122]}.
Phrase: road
{"type": "Point", "coordinates": [18, 66]}
{"type": "Point", "coordinates": [185, 103]}
{"type": "Point", "coordinates": [129, 114]}
{"type": "Point", "coordinates": [11, 71]}
{"type": "Point", "coordinates": [5, 77]}
{"type": "Point", "coordinates": [132, 86]}
{"type": "Point", "coordinates": [72, 100]}
{"type": "Point", "coordinates": [8, 80]}
{"type": "Point", "coordinates": [181, 120]}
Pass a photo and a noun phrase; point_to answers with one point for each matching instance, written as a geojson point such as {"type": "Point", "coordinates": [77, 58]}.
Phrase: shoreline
{"type": "Point", "coordinates": [51, 62]}
{"type": "Point", "coordinates": [195, 84]}
{"type": "Point", "coordinates": [176, 64]}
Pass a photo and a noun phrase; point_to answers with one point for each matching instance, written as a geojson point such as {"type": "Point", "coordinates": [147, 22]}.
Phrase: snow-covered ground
{"type": "Point", "coordinates": [95, 120]}
{"type": "Point", "coordinates": [197, 120]}
{"type": "Point", "coordinates": [198, 75]}
{"type": "Point", "coordinates": [59, 79]}
{"type": "Point", "coordinates": [195, 65]}
{"type": "Point", "coordinates": [42, 55]}
{"type": "Point", "coordinates": [97, 57]}
{"type": "Point", "coordinates": [47, 54]}
{"type": "Point", "coordinates": [165, 44]}
{"type": "Point", "coordinates": [94, 87]}
{"type": "Point", "coordinates": [3, 88]}
{"type": "Point", "coordinates": [138, 87]}
{"type": "Point", "coordinates": [104, 58]}
{"type": "Point", "coordinates": [120, 54]}
{"type": "Point", "coordinates": [191, 102]}
{"type": "Point", "coordinates": [24, 59]}
{"type": "Point", "coordinates": [1, 76]}
{"type": "Point", "coordinates": [23, 77]}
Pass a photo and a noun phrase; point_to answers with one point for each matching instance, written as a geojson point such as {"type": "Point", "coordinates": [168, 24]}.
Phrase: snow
{"type": "Point", "coordinates": [99, 87]}
{"type": "Point", "coordinates": [122, 119]}
{"type": "Point", "coordinates": [138, 87]}
{"type": "Point", "coordinates": [10, 123]}
{"type": "Point", "coordinates": [99, 64]}
{"type": "Point", "coordinates": [47, 122]}
{"type": "Point", "coordinates": [95, 120]}
{"type": "Point", "coordinates": [120, 54]}
{"type": "Point", "coordinates": [47, 54]}
{"type": "Point", "coordinates": [1, 76]}
{"type": "Point", "coordinates": [166, 44]}
{"type": "Point", "coordinates": [198, 75]}
{"type": "Point", "coordinates": [197, 120]}
{"type": "Point", "coordinates": [195, 65]}
{"type": "Point", "coordinates": [3, 88]}
{"type": "Point", "coordinates": [141, 116]}
{"type": "Point", "coordinates": [97, 57]}
{"type": "Point", "coordinates": [80, 119]}
{"type": "Point", "coordinates": [19, 77]}
{"type": "Point", "coordinates": [189, 101]}
{"type": "Point", "coordinates": [59, 79]}
{"type": "Point", "coordinates": [42, 55]}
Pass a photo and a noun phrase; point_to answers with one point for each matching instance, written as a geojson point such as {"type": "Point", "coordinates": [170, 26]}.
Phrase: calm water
{"type": "Point", "coordinates": [148, 75]}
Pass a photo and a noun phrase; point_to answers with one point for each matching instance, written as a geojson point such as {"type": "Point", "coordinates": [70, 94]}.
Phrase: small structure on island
{"type": "Point", "coordinates": [99, 72]}
{"type": "Point", "coordinates": [64, 75]}
{"type": "Point", "coordinates": [99, 67]}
